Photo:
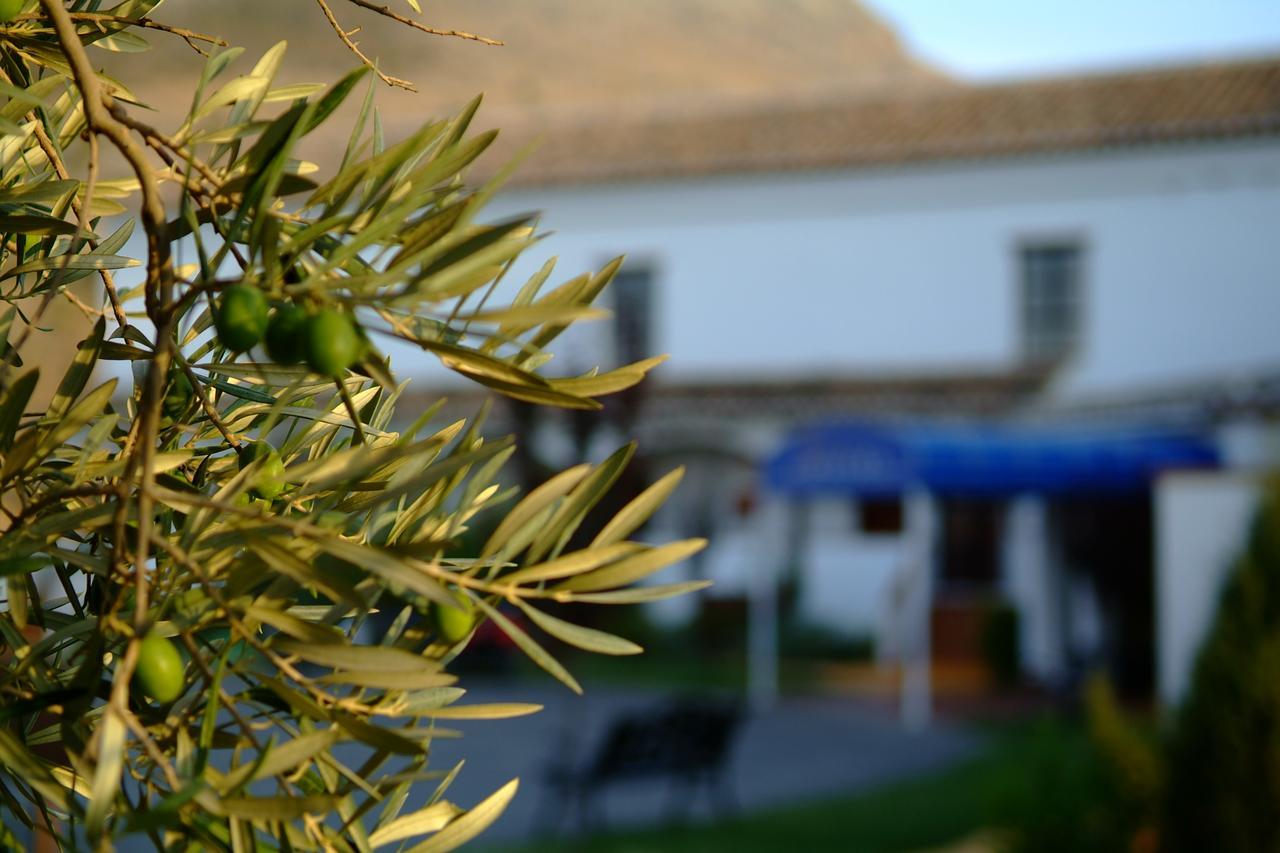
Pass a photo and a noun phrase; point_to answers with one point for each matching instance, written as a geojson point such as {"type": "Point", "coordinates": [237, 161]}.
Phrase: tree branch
{"type": "Point", "coordinates": [388, 12]}
{"type": "Point", "coordinates": [206, 402]}
{"type": "Point", "coordinates": [98, 109]}
{"type": "Point", "coordinates": [147, 23]}
{"type": "Point", "coordinates": [81, 210]}
{"type": "Point", "coordinates": [355, 48]}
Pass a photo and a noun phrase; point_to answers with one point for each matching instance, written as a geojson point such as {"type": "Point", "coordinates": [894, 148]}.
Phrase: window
{"type": "Point", "coordinates": [879, 515]}
{"type": "Point", "coordinates": [632, 290]}
{"type": "Point", "coordinates": [971, 532]}
{"type": "Point", "coordinates": [1050, 300]}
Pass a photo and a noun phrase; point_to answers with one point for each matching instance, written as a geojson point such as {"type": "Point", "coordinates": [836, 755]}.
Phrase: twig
{"type": "Point", "coordinates": [147, 23]}
{"type": "Point", "coordinates": [247, 635]}
{"type": "Point", "coordinates": [101, 115]}
{"type": "Point", "coordinates": [228, 702]}
{"type": "Point", "coordinates": [157, 757]}
{"type": "Point", "coordinates": [182, 558]}
{"type": "Point", "coordinates": [170, 150]}
{"type": "Point", "coordinates": [206, 403]}
{"type": "Point", "coordinates": [84, 308]}
{"type": "Point", "coordinates": [98, 110]}
{"type": "Point", "coordinates": [159, 141]}
{"type": "Point", "coordinates": [351, 410]}
{"type": "Point", "coordinates": [51, 152]}
{"type": "Point", "coordinates": [387, 12]}
{"type": "Point", "coordinates": [87, 490]}
{"type": "Point", "coordinates": [99, 118]}
{"type": "Point", "coordinates": [355, 48]}
{"type": "Point", "coordinates": [315, 533]}
{"type": "Point", "coordinates": [81, 209]}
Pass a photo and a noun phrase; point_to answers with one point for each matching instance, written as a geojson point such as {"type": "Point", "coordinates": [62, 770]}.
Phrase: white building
{"type": "Point", "coordinates": [1098, 249]}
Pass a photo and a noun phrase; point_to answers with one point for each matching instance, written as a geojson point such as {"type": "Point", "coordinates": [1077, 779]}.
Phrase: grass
{"type": "Point", "coordinates": [683, 661]}
{"type": "Point", "coordinates": [684, 673]}
{"type": "Point", "coordinates": [1036, 780]}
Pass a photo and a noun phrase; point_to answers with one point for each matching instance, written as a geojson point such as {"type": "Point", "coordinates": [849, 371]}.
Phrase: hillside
{"type": "Point", "coordinates": [569, 60]}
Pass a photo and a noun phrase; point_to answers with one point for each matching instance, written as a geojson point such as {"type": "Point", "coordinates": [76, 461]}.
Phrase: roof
{"type": "Point", "coordinates": [803, 398]}
{"type": "Point", "coordinates": [1206, 102]}
{"type": "Point", "coordinates": [735, 86]}
{"type": "Point", "coordinates": [674, 406]}
{"type": "Point", "coordinates": [979, 458]}
{"type": "Point", "coordinates": [1216, 398]}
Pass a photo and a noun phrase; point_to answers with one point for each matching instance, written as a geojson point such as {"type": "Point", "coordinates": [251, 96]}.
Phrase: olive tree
{"type": "Point", "coordinates": [220, 529]}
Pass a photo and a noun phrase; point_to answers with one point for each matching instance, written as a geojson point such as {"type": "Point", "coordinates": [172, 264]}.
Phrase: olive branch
{"type": "Point", "coordinates": [223, 534]}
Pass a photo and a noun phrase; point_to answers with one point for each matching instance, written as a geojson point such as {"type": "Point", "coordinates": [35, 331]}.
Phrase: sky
{"type": "Point", "coordinates": [995, 39]}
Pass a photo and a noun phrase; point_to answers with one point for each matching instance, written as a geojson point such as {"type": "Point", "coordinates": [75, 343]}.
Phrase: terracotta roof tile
{"type": "Point", "coordinates": [667, 404]}
{"type": "Point", "coordinates": [1137, 108]}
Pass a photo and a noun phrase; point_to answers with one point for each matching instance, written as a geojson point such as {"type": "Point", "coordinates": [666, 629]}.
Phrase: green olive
{"type": "Point", "coordinates": [269, 481]}
{"type": "Point", "coordinates": [160, 671]}
{"type": "Point", "coordinates": [20, 565]}
{"type": "Point", "coordinates": [332, 343]}
{"type": "Point", "coordinates": [241, 318]}
{"type": "Point", "coordinates": [177, 399]}
{"type": "Point", "coordinates": [10, 9]}
{"type": "Point", "coordinates": [453, 624]}
{"type": "Point", "coordinates": [286, 335]}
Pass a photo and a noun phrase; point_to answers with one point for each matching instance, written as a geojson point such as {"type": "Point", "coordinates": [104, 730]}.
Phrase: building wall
{"type": "Point", "coordinates": [848, 574]}
{"type": "Point", "coordinates": [914, 269]}
{"type": "Point", "coordinates": [1201, 523]}
{"type": "Point", "coordinates": [1032, 582]}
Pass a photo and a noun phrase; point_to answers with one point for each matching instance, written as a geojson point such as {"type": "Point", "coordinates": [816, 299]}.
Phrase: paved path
{"type": "Point", "coordinates": [802, 750]}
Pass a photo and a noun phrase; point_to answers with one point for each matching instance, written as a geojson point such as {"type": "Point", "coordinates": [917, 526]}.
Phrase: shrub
{"type": "Point", "coordinates": [1131, 773]}
{"type": "Point", "coordinates": [815, 642]}
{"type": "Point", "coordinates": [1224, 754]}
{"type": "Point", "coordinates": [1000, 628]}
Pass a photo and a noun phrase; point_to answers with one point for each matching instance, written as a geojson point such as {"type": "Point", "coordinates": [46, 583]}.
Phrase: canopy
{"type": "Point", "coordinates": [979, 458]}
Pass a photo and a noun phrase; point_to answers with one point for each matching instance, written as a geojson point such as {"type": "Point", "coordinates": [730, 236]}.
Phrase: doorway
{"type": "Point", "coordinates": [1107, 541]}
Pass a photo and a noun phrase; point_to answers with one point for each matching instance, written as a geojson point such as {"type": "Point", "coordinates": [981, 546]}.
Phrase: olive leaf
{"type": "Point", "coordinates": [258, 522]}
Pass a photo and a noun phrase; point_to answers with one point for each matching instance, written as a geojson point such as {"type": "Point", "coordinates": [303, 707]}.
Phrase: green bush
{"type": "Point", "coordinates": [816, 643]}
{"type": "Point", "coordinates": [1224, 785]}
{"type": "Point", "coordinates": [1091, 788]}
{"type": "Point", "coordinates": [1054, 803]}
{"type": "Point", "coordinates": [1131, 773]}
{"type": "Point", "coordinates": [1000, 644]}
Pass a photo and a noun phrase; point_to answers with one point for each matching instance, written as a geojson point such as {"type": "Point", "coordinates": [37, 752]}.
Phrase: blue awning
{"type": "Point", "coordinates": [980, 458]}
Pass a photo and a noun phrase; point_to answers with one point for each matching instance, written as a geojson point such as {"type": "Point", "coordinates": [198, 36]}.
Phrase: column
{"type": "Point", "coordinates": [916, 706]}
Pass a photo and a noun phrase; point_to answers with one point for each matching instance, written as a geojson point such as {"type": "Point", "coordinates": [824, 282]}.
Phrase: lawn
{"type": "Point", "coordinates": [692, 673]}
{"type": "Point", "coordinates": [1036, 783]}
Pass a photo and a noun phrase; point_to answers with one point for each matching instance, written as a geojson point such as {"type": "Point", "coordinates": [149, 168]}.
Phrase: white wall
{"type": "Point", "coordinates": [1201, 520]}
{"type": "Point", "coordinates": [846, 585]}
{"type": "Point", "coordinates": [846, 575]}
{"type": "Point", "coordinates": [913, 269]}
{"type": "Point", "coordinates": [1032, 583]}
